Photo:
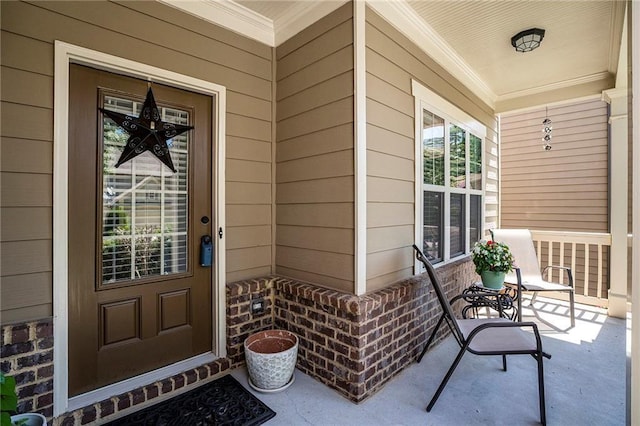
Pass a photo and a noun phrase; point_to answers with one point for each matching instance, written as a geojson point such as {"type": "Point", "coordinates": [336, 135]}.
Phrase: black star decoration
{"type": "Point", "coordinates": [147, 132]}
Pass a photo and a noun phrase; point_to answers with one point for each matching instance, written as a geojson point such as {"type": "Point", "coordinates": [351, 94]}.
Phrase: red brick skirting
{"type": "Point", "coordinates": [354, 344]}
{"type": "Point", "coordinates": [27, 354]}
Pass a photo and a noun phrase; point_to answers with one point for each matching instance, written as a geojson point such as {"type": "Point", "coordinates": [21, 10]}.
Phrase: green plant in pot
{"type": "Point", "coordinates": [9, 406]}
{"type": "Point", "coordinates": [493, 261]}
{"type": "Point", "coordinates": [8, 399]}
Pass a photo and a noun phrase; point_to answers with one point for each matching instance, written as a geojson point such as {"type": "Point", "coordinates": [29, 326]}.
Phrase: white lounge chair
{"type": "Point", "coordinates": [524, 253]}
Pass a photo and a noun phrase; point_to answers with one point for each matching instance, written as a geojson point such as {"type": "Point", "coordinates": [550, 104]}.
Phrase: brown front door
{"type": "Point", "coordinates": [138, 297]}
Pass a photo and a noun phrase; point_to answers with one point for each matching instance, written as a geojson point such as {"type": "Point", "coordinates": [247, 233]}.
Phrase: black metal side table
{"type": "Point", "coordinates": [477, 296]}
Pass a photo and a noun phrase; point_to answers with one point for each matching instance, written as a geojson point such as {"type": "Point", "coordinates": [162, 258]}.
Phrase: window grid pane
{"type": "Point", "coordinates": [145, 205]}
{"type": "Point", "coordinates": [475, 162]}
{"type": "Point", "coordinates": [475, 220]}
{"type": "Point", "coordinates": [433, 226]}
{"type": "Point", "coordinates": [457, 157]}
{"type": "Point", "coordinates": [457, 231]}
{"type": "Point", "coordinates": [433, 148]}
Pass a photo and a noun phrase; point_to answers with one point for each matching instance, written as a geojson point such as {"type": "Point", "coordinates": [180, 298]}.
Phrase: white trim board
{"type": "Point", "coordinates": [550, 105]}
{"type": "Point", "coordinates": [244, 21]}
{"type": "Point", "coordinates": [360, 141]}
{"type": "Point", "coordinates": [65, 54]}
{"type": "Point", "coordinates": [633, 319]}
{"type": "Point", "coordinates": [231, 15]}
{"type": "Point", "coordinates": [553, 86]}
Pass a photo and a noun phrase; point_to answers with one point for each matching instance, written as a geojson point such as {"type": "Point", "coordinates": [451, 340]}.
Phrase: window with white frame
{"type": "Point", "coordinates": [449, 177]}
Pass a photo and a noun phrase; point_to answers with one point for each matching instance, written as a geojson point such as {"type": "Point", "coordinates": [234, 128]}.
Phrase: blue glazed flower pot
{"type": "Point", "coordinates": [493, 279]}
{"type": "Point", "coordinates": [29, 419]}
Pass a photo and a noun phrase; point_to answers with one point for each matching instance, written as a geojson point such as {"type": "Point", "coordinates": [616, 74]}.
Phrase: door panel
{"type": "Point", "coordinates": [138, 298]}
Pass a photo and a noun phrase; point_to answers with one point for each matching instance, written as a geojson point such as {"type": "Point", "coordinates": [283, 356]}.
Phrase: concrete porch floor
{"type": "Point", "coordinates": [585, 382]}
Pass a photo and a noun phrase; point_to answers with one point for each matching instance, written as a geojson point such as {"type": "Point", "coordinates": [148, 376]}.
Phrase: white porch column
{"type": "Point", "coordinates": [618, 206]}
{"type": "Point", "coordinates": [633, 324]}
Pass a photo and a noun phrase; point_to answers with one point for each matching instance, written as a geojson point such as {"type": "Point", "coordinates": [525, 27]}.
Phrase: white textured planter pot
{"type": "Point", "coordinates": [29, 419]}
{"type": "Point", "coordinates": [271, 359]}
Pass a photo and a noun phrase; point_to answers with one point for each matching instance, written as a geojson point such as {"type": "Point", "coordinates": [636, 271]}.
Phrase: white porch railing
{"type": "Point", "coordinates": [587, 253]}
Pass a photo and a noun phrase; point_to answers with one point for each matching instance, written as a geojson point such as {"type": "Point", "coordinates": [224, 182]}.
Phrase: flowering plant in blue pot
{"type": "Point", "coordinates": [492, 260]}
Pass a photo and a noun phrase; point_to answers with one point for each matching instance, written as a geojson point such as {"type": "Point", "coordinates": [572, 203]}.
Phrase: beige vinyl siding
{"type": "Point", "coordinates": [565, 188]}
{"type": "Point", "coordinates": [314, 154]}
{"type": "Point", "coordinates": [147, 32]}
{"type": "Point", "coordinates": [392, 61]}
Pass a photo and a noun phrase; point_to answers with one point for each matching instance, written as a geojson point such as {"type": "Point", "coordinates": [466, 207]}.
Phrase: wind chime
{"type": "Point", "coordinates": [546, 129]}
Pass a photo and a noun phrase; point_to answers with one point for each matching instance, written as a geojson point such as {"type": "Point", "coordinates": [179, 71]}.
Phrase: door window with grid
{"type": "Point", "coordinates": [144, 204]}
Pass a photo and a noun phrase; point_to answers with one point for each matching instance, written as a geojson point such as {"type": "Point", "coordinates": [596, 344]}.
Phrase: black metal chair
{"type": "Point", "coordinates": [486, 336]}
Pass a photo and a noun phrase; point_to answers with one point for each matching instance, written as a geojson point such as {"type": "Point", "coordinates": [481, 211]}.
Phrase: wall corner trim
{"type": "Point", "coordinates": [360, 147]}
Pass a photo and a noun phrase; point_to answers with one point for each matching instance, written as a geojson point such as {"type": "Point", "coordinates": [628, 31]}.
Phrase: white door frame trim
{"type": "Point", "coordinates": [65, 54]}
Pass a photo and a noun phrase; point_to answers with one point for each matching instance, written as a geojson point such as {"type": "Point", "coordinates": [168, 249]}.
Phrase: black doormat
{"type": "Point", "coordinates": [221, 402]}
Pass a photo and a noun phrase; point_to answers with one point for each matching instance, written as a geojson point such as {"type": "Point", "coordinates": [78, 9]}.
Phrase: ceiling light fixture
{"type": "Point", "coordinates": [527, 40]}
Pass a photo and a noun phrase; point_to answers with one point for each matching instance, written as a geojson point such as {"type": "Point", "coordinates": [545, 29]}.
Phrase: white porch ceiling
{"type": "Point", "coordinates": [581, 44]}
